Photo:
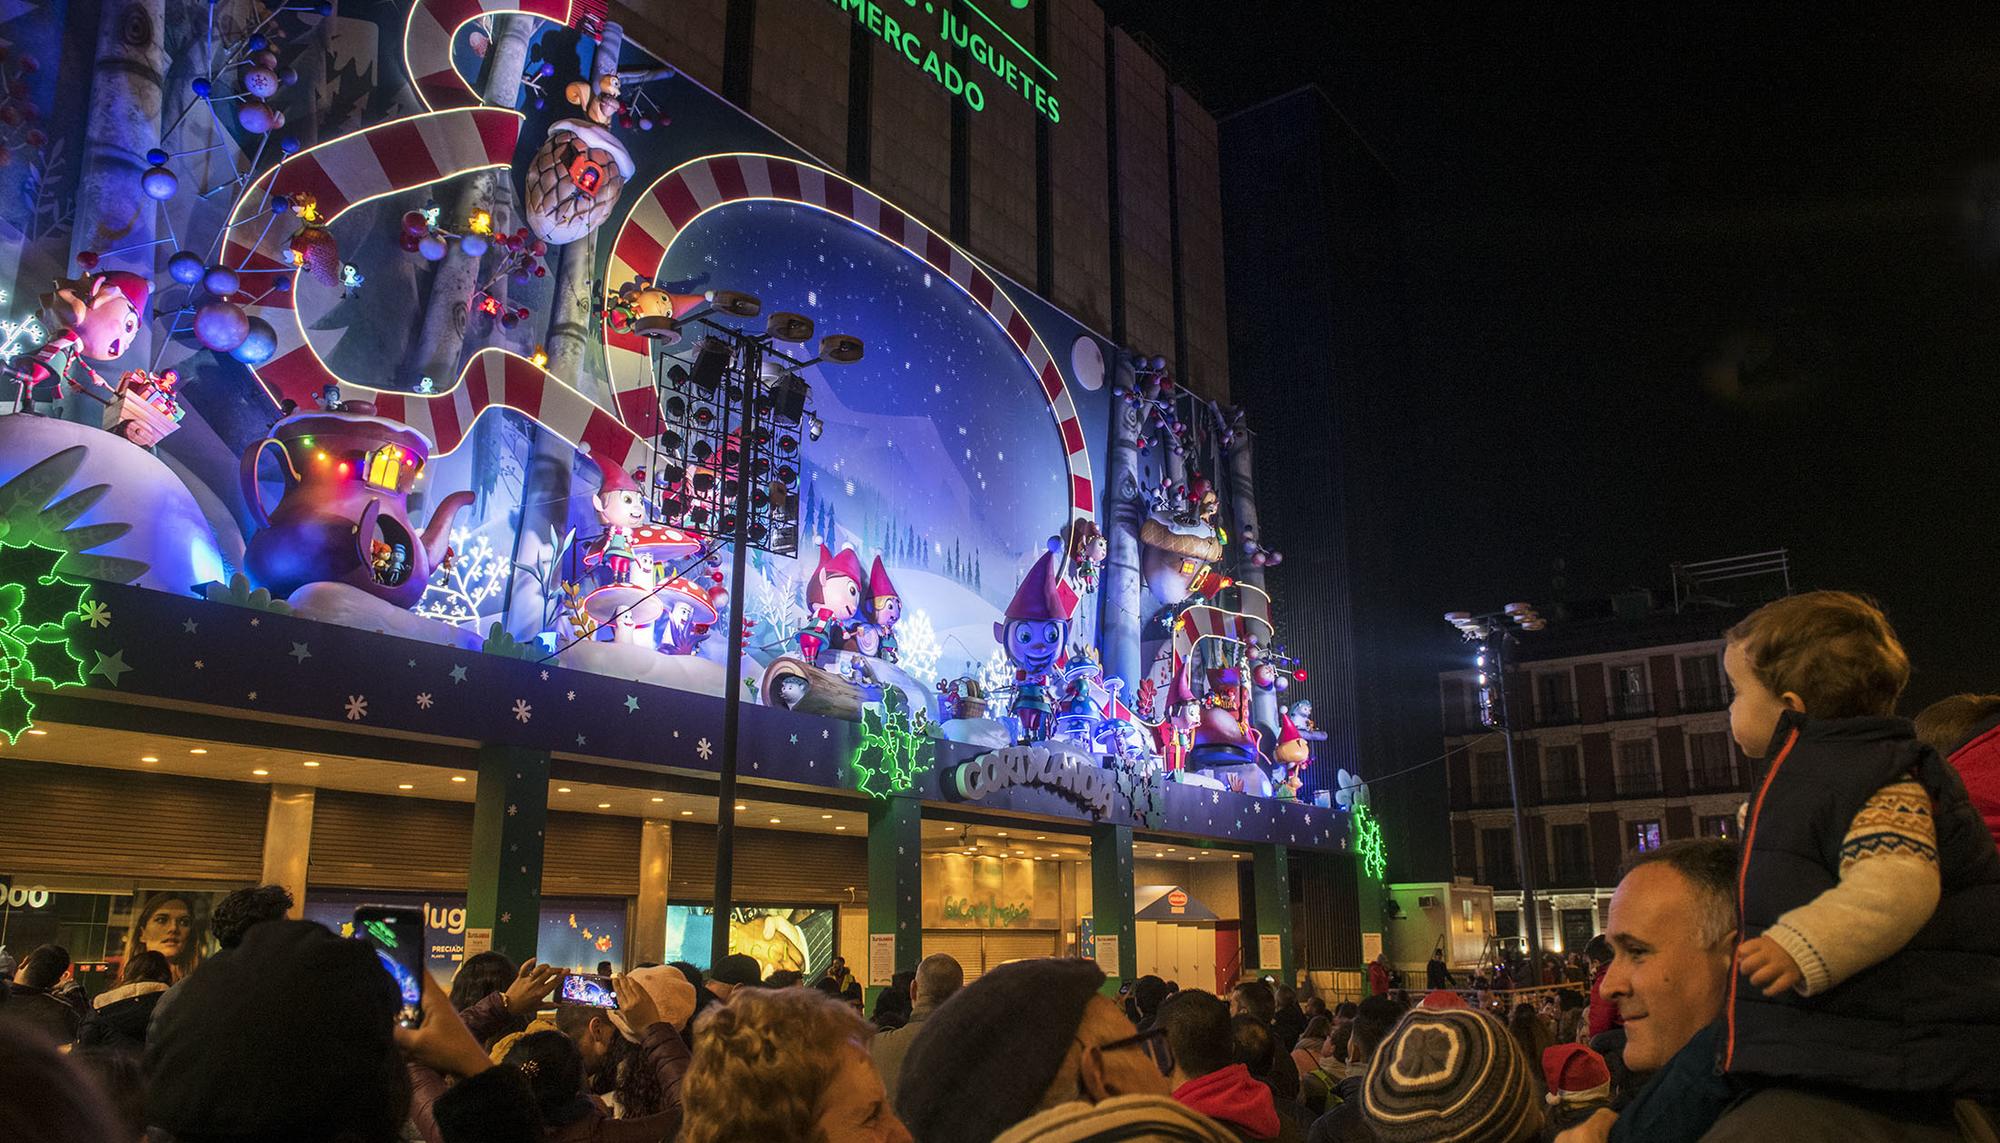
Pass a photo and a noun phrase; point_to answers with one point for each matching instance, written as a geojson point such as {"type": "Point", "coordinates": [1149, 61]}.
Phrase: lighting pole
{"type": "Point", "coordinates": [1493, 632]}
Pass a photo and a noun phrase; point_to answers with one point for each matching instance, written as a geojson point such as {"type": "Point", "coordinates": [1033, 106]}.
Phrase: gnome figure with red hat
{"type": "Point", "coordinates": [1032, 637]}
{"type": "Point", "coordinates": [833, 595]}
{"type": "Point", "coordinates": [621, 508]}
{"type": "Point", "coordinates": [95, 318]}
{"type": "Point", "coordinates": [1183, 714]}
{"type": "Point", "coordinates": [885, 607]}
{"type": "Point", "coordinates": [1292, 753]}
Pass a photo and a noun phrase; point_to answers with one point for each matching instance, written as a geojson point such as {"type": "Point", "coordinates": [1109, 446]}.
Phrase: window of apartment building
{"type": "Point", "coordinates": [1490, 776]}
{"type": "Point", "coordinates": [1496, 855]}
{"type": "Point", "coordinates": [1638, 774]}
{"type": "Point", "coordinates": [1569, 847]}
{"type": "Point", "coordinates": [1719, 825]}
{"type": "Point", "coordinates": [1710, 766]}
{"type": "Point", "coordinates": [1630, 694]}
{"type": "Point", "coordinates": [1643, 837]}
{"type": "Point", "coordinates": [1702, 686]}
{"type": "Point", "coordinates": [1553, 701]}
{"type": "Point", "coordinates": [1562, 772]}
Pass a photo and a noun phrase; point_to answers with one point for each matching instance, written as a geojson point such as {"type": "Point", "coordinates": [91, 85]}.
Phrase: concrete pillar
{"type": "Point", "coordinates": [1243, 490]}
{"type": "Point", "coordinates": [1271, 878]}
{"type": "Point", "coordinates": [288, 828]}
{"type": "Point", "coordinates": [441, 343]}
{"type": "Point", "coordinates": [127, 82]}
{"type": "Point", "coordinates": [895, 885]}
{"type": "Point", "coordinates": [649, 915]}
{"type": "Point", "coordinates": [1123, 588]}
{"type": "Point", "coordinates": [1111, 901]}
{"type": "Point", "coordinates": [509, 819]}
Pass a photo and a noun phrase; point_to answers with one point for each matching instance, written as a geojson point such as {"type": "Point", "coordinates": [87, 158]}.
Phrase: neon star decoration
{"type": "Point", "coordinates": [37, 610]}
{"type": "Point", "coordinates": [891, 752]}
{"type": "Point", "coordinates": [1367, 835]}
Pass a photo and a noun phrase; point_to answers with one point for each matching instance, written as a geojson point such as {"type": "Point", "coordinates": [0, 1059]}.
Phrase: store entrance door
{"type": "Point", "coordinates": [1578, 926]}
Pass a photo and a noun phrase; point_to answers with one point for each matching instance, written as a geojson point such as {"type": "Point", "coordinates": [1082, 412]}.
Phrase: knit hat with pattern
{"type": "Point", "coordinates": [1452, 1076]}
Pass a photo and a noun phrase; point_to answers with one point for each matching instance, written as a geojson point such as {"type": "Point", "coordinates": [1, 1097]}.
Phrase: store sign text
{"type": "Point", "coordinates": [998, 53]}
{"type": "Point", "coordinates": [1065, 772]}
{"type": "Point", "coordinates": [991, 912]}
{"type": "Point", "coordinates": [24, 896]}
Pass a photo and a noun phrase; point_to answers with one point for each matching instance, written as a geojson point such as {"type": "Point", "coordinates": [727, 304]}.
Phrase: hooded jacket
{"type": "Point", "coordinates": [1977, 761]}
{"type": "Point", "coordinates": [1926, 1019]}
{"type": "Point", "coordinates": [121, 1016]}
{"type": "Point", "coordinates": [1233, 1098]}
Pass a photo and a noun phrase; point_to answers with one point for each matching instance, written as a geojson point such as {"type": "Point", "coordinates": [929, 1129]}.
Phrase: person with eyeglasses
{"type": "Point", "coordinates": [1032, 1052]}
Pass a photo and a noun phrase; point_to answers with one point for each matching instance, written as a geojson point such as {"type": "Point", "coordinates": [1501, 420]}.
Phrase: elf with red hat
{"type": "Point", "coordinates": [1293, 752]}
{"type": "Point", "coordinates": [1183, 714]}
{"type": "Point", "coordinates": [95, 318]}
{"type": "Point", "coordinates": [1032, 637]}
{"type": "Point", "coordinates": [621, 508]}
{"type": "Point", "coordinates": [885, 607]}
{"type": "Point", "coordinates": [834, 597]}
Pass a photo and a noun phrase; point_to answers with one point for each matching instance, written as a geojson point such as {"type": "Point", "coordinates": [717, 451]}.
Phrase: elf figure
{"type": "Point", "coordinates": [1293, 753]}
{"type": "Point", "coordinates": [833, 596]}
{"type": "Point", "coordinates": [96, 318]}
{"type": "Point", "coordinates": [1032, 637]}
{"type": "Point", "coordinates": [1183, 714]}
{"type": "Point", "coordinates": [885, 607]}
{"type": "Point", "coordinates": [621, 508]}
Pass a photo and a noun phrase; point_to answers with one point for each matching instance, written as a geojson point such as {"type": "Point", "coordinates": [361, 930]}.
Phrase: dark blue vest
{"type": "Point", "coordinates": [1927, 1019]}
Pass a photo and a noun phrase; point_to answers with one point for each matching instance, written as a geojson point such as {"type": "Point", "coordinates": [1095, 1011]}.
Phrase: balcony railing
{"type": "Point", "coordinates": [1556, 713]}
{"type": "Point", "coordinates": [1491, 797]}
{"type": "Point", "coordinates": [1696, 699]}
{"type": "Point", "coordinates": [1564, 790]}
{"type": "Point", "coordinates": [1502, 877]}
{"type": "Point", "coordinates": [1572, 874]}
{"type": "Point", "coordinates": [1710, 779]}
{"type": "Point", "coordinates": [1631, 706]}
{"type": "Point", "coordinates": [1638, 784]}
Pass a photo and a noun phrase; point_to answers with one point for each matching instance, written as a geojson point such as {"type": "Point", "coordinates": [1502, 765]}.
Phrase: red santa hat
{"type": "Point", "coordinates": [1575, 1074]}
{"type": "Point", "coordinates": [1043, 594]}
{"type": "Point", "coordinates": [135, 288]}
{"type": "Point", "coordinates": [1179, 691]}
{"type": "Point", "coordinates": [616, 479]}
{"type": "Point", "coordinates": [878, 581]}
{"type": "Point", "coordinates": [1287, 732]}
{"type": "Point", "coordinates": [847, 563]}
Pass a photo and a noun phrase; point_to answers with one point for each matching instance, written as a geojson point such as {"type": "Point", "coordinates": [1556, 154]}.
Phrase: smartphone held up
{"type": "Point", "coordinates": [588, 988]}
{"type": "Point", "coordinates": [397, 936]}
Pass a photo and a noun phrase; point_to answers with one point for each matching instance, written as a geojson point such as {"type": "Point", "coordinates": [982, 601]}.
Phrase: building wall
{"type": "Point", "coordinates": [1034, 199]}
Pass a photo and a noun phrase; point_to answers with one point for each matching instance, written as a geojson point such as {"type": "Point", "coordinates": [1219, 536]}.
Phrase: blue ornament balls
{"type": "Point", "coordinates": [221, 326]}
{"type": "Point", "coordinates": [220, 280]}
{"type": "Point", "coordinates": [159, 183]}
{"type": "Point", "coordinates": [201, 87]}
{"type": "Point", "coordinates": [185, 267]}
{"type": "Point", "coordinates": [431, 247]}
{"type": "Point", "coordinates": [280, 204]}
{"type": "Point", "coordinates": [289, 144]}
{"type": "Point", "coordinates": [157, 157]}
{"type": "Point", "coordinates": [474, 245]}
{"type": "Point", "coordinates": [284, 284]}
{"type": "Point", "coordinates": [258, 344]}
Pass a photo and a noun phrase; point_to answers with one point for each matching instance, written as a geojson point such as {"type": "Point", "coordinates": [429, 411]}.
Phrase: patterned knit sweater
{"type": "Point", "coordinates": [1889, 887]}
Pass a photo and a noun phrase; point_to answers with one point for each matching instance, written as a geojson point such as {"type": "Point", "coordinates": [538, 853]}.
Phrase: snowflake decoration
{"type": "Point", "coordinates": [478, 574]}
{"type": "Point", "coordinates": [424, 699]}
{"type": "Point", "coordinates": [996, 674]}
{"type": "Point", "coordinates": [703, 749]}
{"type": "Point", "coordinates": [522, 711]}
{"type": "Point", "coordinates": [889, 756]}
{"type": "Point", "coordinates": [917, 647]}
{"type": "Point", "coordinates": [1367, 834]}
{"type": "Point", "coordinates": [357, 707]}
{"type": "Point", "coordinates": [95, 613]}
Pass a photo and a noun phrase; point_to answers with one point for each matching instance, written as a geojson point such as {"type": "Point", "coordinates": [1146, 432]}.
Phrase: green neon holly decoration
{"type": "Point", "coordinates": [1367, 834]}
{"type": "Point", "coordinates": [37, 609]}
{"type": "Point", "coordinates": [888, 758]}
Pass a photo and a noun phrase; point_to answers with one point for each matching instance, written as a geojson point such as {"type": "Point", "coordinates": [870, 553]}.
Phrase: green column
{"type": "Point", "coordinates": [504, 891]}
{"type": "Point", "coordinates": [895, 884]}
{"type": "Point", "coordinates": [1111, 900]}
{"type": "Point", "coordinates": [1270, 867]}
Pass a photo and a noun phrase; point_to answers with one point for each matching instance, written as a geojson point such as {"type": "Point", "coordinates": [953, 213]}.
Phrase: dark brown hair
{"type": "Point", "coordinates": [1946, 724]}
{"type": "Point", "coordinates": [1833, 649]}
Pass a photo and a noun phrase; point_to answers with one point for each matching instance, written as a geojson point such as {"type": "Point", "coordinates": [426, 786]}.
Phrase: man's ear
{"type": "Point", "coordinates": [1792, 701]}
{"type": "Point", "coordinates": [1090, 1075]}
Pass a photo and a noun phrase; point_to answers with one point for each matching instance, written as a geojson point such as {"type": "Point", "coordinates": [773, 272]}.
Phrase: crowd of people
{"type": "Point", "coordinates": [1835, 977]}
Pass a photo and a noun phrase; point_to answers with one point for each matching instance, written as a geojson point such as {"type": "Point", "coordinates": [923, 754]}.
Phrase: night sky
{"type": "Point", "coordinates": [1596, 207]}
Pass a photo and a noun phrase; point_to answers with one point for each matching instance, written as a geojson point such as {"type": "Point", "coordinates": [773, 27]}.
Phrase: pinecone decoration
{"type": "Point", "coordinates": [572, 187]}
{"type": "Point", "coordinates": [315, 252]}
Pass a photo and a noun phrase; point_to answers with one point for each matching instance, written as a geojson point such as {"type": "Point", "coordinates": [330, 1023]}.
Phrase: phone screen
{"type": "Point", "coordinates": [588, 988]}
{"type": "Point", "coordinates": [397, 936]}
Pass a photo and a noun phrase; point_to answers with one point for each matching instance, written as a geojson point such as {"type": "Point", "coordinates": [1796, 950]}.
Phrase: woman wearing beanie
{"type": "Point", "coordinates": [1452, 1076]}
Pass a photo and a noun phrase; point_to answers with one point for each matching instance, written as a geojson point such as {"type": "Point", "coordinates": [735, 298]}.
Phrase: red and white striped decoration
{"type": "Point", "coordinates": [428, 36]}
{"type": "Point", "coordinates": [692, 189]}
{"type": "Point", "coordinates": [1204, 622]}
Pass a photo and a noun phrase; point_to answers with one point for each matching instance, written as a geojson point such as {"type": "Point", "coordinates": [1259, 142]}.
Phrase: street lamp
{"type": "Point", "coordinates": [1493, 632]}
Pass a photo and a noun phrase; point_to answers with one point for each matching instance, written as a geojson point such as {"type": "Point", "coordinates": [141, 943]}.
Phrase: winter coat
{"type": "Point", "coordinates": [1603, 1013]}
{"type": "Point", "coordinates": [1378, 978]}
{"type": "Point", "coordinates": [1977, 761]}
{"type": "Point", "coordinates": [121, 1016]}
{"type": "Point", "coordinates": [1927, 1019]}
{"type": "Point", "coordinates": [35, 1008]}
{"type": "Point", "coordinates": [889, 1047]}
{"type": "Point", "coordinates": [1234, 1098]}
